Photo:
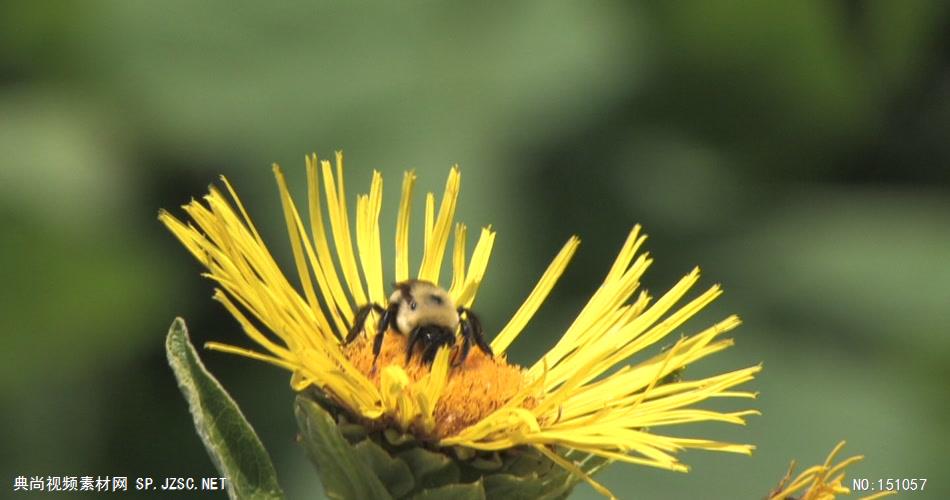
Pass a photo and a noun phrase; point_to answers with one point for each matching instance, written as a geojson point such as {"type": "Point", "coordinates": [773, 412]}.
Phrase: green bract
{"type": "Point", "coordinates": [407, 468]}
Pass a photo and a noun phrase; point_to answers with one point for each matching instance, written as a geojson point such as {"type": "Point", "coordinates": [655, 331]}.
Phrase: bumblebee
{"type": "Point", "coordinates": [427, 315]}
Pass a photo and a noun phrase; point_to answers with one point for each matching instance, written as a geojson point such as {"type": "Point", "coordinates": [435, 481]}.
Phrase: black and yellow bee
{"type": "Point", "coordinates": [427, 315]}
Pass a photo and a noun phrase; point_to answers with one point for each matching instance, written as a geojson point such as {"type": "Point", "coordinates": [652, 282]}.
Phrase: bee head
{"type": "Point", "coordinates": [422, 303]}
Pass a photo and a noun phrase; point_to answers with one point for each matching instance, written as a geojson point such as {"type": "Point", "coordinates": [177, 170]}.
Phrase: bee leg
{"type": "Point", "coordinates": [466, 345]}
{"type": "Point", "coordinates": [428, 355]}
{"type": "Point", "coordinates": [386, 318]}
{"type": "Point", "coordinates": [472, 327]}
{"type": "Point", "coordinates": [359, 321]}
{"type": "Point", "coordinates": [414, 337]}
{"type": "Point", "coordinates": [443, 337]}
{"type": "Point", "coordinates": [377, 346]}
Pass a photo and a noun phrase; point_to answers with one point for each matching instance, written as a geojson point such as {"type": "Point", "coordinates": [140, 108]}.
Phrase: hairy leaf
{"type": "Point", "coordinates": [233, 446]}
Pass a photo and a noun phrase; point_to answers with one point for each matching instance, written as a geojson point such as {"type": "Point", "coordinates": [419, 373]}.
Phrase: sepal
{"type": "Point", "coordinates": [409, 468]}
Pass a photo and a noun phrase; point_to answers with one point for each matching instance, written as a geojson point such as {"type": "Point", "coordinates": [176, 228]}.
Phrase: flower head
{"type": "Point", "coordinates": [820, 482]}
{"type": "Point", "coordinates": [579, 395]}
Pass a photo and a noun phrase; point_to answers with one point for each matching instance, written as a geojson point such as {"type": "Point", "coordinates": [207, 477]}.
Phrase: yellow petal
{"type": "Point", "coordinates": [477, 268]}
{"type": "Point", "coordinates": [367, 239]}
{"type": "Point", "coordinates": [402, 227]}
{"type": "Point", "coordinates": [340, 225]}
{"type": "Point", "coordinates": [458, 260]}
{"type": "Point", "coordinates": [536, 297]}
{"type": "Point", "coordinates": [438, 237]}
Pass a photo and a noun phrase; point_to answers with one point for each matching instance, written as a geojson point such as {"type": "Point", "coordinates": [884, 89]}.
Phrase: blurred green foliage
{"type": "Point", "coordinates": [797, 151]}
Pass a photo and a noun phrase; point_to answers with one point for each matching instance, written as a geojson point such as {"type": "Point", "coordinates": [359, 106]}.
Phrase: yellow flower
{"type": "Point", "coordinates": [820, 482]}
{"type": "Point", "coordinates": [580, 395]}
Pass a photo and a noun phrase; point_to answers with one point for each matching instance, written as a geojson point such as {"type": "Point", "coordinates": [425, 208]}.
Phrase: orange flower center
{"type": "Point", "coordinates": [474, 390]}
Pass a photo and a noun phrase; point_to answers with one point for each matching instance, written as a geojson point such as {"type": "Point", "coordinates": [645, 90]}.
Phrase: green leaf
{"type": "Point", "coordinates": [488, 463]}
{"type": "Point", "coordinates": [344, 474]}
{"type": "Point", "coordinates": [394, 473]}
{"type": "Point", "coordinates": [465, 491]}
{"type": "Point", "coordinates": [233, 446]}
{"type": "Point", "coordinates": [526, 474]}
{"type": "Point", "coordinates": [397, 438]}
{"type": "Point", "coordinates": [354, 433]}
{"type": "Point", "coordinates": [512, 487]}
{"type": "Point", "coordinates": [429, 468]}
{"type": "Point", "coordinates": [523, 461]}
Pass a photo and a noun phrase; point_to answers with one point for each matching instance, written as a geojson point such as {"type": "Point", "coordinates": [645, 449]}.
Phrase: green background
{"type": "Point", "coordinates": [798, 151]}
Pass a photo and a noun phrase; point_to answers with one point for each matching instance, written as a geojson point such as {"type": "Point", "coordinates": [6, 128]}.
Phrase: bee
{"type": "Point", "coordinates": [427, 315]}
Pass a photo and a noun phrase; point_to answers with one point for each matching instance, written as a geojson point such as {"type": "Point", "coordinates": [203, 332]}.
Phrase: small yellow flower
{"type": "Point", "coordinates": [579, 395]}
{"type": "Point", "coordinates": [820, 482]}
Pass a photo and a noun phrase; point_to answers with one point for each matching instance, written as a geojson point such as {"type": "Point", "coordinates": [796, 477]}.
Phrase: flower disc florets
{"type": "Point", "coordinates": [473, 390]}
